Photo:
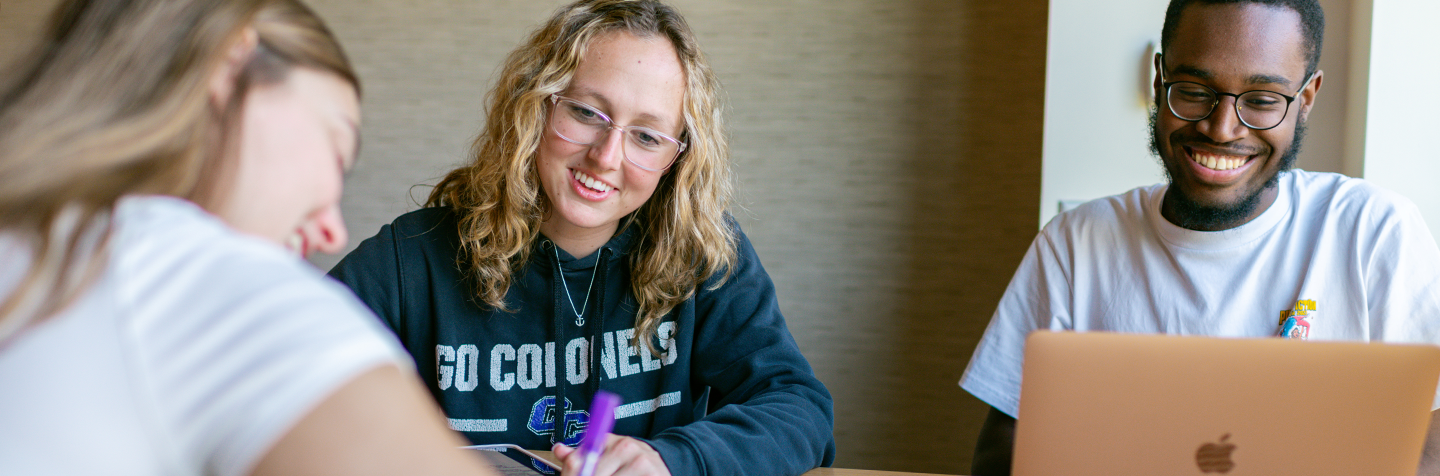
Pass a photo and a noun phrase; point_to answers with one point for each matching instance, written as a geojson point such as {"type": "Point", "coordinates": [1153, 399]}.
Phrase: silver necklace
{"type": "Point", "coordinates": [579, 314]}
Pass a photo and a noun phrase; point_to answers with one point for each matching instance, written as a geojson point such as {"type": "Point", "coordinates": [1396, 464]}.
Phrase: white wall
{"type": "Point", "coordinates": [1399, 127]}
{"type": "Point", "coordinates": [1096, 124]}
{"type": "Point", "coordinates": [1095, 116]}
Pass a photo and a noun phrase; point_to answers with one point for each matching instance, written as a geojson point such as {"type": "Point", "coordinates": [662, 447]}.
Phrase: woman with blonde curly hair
{"type": "Point", "coordinates": [587, 246]}
{"type": "Point", "coordinates": [156, 157]}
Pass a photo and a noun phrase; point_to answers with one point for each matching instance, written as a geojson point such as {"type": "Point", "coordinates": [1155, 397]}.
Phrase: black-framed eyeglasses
{"type": "Point", "coordinates": [1257, 109]}
{"type": "Point", "coordinates": [582, 124]}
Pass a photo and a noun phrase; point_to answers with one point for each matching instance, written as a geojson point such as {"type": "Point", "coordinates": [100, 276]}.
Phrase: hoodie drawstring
{"type": "Point", "coordinates": [557, 335]}
{"type": "Point", "coordinates": [595, 337]}
{"type": "Point", "coordinates": [598, 336]}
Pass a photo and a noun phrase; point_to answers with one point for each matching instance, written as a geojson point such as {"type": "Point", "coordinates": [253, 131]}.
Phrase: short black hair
{"type": "Point", "coordinates": [1312, 23]}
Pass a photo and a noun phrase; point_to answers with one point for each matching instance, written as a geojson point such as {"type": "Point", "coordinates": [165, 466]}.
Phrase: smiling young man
{"type": "Point", "coordinates": [1236, 243]}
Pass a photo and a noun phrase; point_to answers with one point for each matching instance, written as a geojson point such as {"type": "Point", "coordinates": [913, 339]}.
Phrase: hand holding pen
{"type": "Point", "coordinates": [603, 454]}
{"type": "Point", "coordinates": [602, 419]}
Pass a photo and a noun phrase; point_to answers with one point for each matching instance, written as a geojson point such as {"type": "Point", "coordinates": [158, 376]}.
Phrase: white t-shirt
{"type": "Point", "coordinates": [1345, 259]}
{"type": "Point", "coordinates": [193, 353]}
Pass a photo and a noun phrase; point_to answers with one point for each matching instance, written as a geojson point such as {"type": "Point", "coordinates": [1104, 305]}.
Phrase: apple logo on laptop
{"type": "Point", "coordinates": [1215, 457]}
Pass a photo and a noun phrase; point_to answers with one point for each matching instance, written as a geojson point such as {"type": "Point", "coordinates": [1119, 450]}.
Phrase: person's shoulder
{"type": "Point", "coordinates": [746, 264]}
{"type": "Point", "coordinates": [161, 230]}
{"type": "Point", "coordinates": [169, 248]}
{"type": "Point", "coordinates": [1105, 216]}
{"type": "Point", "coordinates": [426, 222]}
{"type": "Point", "coordinates": [741, 245]}
{"type": "Point", "coordinates": [262, 322]}
{"type": "Point", "coordinates": [174, 266]}
{"type": "Point", "coordinates": [405, 246]}
{"type": "Point", "coordinates": [1355, 198]}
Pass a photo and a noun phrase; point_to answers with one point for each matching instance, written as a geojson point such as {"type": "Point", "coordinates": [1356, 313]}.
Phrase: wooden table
{"type": "Point", "coordinates": [857, 472]}
{"type": "Point", "coordinates": [814, 472]}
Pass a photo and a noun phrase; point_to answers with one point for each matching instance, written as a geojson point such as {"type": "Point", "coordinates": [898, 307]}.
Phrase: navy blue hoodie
{"type": "Point", "coordinates": [729, 392]}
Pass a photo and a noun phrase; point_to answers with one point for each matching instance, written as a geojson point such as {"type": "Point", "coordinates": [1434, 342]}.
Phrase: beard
{"type": "Point", "coordinates": [1195, 215]}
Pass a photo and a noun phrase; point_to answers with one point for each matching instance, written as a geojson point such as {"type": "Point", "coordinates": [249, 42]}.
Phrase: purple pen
{"type": "Point", "coordinates": [602, 419]}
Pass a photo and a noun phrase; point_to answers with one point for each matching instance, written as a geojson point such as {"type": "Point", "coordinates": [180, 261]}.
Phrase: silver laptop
{"type": "Point", "coordinates": [1123, 404]}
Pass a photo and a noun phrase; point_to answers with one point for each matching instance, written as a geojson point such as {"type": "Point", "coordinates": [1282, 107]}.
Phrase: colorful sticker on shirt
{"type": "Point", "coordinates": [1295, 322]}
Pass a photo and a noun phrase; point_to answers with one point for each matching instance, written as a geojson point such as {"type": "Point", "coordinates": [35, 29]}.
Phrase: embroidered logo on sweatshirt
{"type": "Point", "coordinates": [545, 418]}
{"type": "Point", "coordinates": [1295, 322]}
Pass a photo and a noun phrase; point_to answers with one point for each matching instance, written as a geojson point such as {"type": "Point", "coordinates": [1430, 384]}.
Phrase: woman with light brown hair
{"type": "Point", "coordinates": [156, 156]}
{"type": "Point", "coordinates": [586, 246]}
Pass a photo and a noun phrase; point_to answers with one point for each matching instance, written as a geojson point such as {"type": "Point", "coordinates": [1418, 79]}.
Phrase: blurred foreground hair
{"type": "Point", "coordinates": [115, 100]}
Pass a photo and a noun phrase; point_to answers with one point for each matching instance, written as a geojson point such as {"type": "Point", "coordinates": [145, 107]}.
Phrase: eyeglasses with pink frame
{"type": "Point", "coordinates": [648, 145]}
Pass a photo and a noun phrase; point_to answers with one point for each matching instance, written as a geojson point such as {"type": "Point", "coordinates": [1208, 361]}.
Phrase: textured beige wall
{"type": "Point", "coordinates": [889, 172]}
